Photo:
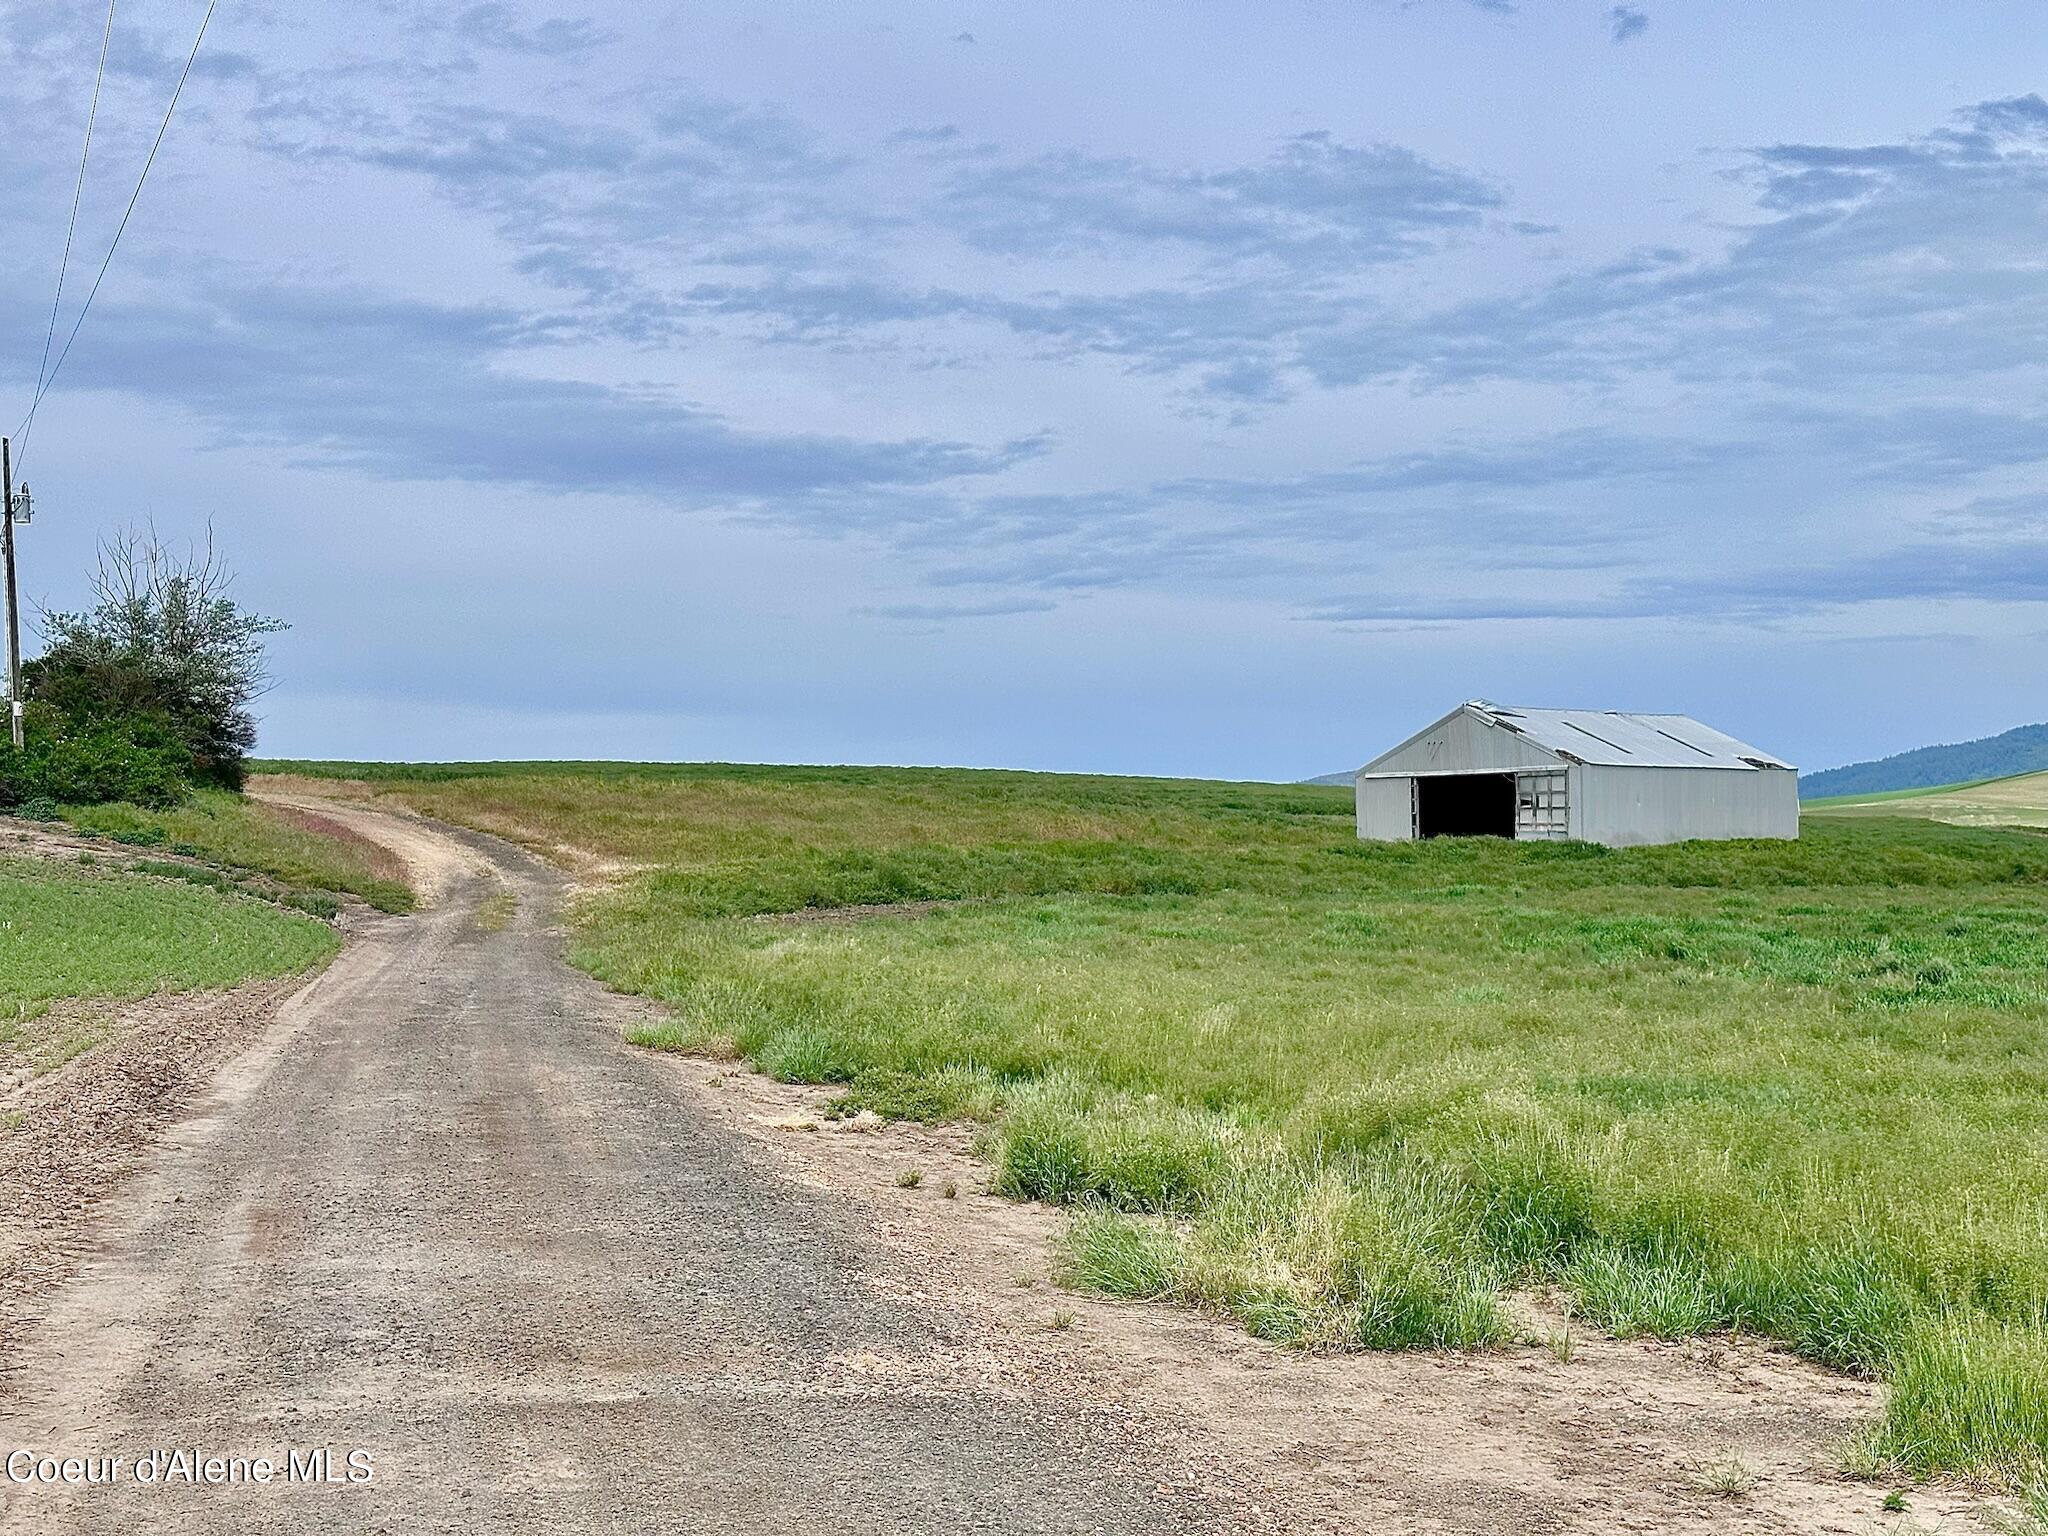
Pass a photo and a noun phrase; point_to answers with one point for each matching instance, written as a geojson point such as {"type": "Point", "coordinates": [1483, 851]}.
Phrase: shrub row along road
{"type": "Point", "coordinates": [443, 1217]}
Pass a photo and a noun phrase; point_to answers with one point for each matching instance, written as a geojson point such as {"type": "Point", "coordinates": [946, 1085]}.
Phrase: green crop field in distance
{"type": "Point", "coordinates": [1351, 1094]}
{"type": "Point", "coordinates": [2021, 801]}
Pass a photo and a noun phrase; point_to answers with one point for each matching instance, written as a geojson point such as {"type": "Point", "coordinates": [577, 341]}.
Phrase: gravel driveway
{"type": "Point", "coordinates": [440, 1217]}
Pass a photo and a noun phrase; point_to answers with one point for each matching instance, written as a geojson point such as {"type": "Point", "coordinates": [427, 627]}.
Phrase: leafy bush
{"type": "Point", "coordinates": [147, 691]}
{"type": "Point", "coordinates": [71, 762]}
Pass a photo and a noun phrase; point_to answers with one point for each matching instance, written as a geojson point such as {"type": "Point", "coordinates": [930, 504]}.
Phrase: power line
{"type": "Point", "coordinates": [77, 193]}
{"type": "Point", "coordinates": [162, 128]}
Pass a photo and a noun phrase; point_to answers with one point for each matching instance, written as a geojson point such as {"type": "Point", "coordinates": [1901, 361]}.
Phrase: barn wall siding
{"type": "Point", "coordinates": [1624, 807]}
{"type": "Point", "coordinates": [1464, 744]}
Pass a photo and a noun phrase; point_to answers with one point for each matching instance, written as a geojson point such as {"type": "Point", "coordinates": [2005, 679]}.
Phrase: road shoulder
{"type": "Point", "coordinates": [90, 1085]}
{"type": "Point", "coordinates": [73, 1135]}
{"type": "Point", "coordinates": [1623, 1435]}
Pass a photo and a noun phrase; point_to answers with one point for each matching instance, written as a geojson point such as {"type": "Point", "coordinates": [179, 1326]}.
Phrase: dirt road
{"type": "Point", "coordinates": [440, 1217]}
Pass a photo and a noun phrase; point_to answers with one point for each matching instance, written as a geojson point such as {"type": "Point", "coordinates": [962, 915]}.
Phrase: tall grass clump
{"type": "Point", "coordinates": [1967, 1392]}
{"type": "Point", "coordinates": [1066, 1140]}
{"type": "Point", "coordinates": [1370, 1255]}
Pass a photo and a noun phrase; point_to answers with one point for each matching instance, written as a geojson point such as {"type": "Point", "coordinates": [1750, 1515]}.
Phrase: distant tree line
{"type": "Point", "coordinates": [144, 694]}
{"type": "Point", "coordinates": [2024, 749]}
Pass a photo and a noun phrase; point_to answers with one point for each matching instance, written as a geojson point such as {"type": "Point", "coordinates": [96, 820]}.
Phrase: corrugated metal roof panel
{"type": "Point", "coordinates": [1637, 741]}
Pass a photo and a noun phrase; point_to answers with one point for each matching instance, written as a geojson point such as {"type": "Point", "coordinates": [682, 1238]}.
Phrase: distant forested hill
{"type": "Point", "coordinates": [2023, 749]}
{"type": "Point", "coordinates": [1332, 778]}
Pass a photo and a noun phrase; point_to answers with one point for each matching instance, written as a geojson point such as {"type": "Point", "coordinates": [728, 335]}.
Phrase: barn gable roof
{"type": "Point", "coordinates": [1611, 737]}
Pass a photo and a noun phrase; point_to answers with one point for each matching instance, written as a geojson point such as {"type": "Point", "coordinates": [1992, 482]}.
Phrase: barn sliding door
{"type": "Point", "coordinates": [1541, 810]}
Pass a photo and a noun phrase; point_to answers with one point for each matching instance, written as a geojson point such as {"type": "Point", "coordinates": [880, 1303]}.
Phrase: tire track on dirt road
{"type": "Point", "coordinates": [440, 1216]}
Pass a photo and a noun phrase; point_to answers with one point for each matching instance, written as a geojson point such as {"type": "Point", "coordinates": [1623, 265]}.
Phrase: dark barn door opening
{"type": "Point", "coordinates": [1465, 805]}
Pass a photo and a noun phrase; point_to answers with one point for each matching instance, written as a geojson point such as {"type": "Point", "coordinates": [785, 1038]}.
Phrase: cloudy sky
{"type": "Point", "coordinates": [1189, 389]}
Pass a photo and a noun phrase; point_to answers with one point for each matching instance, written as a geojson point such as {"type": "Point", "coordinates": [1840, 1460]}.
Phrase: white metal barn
{"type": "Point", "coordinates": [1600, 775]}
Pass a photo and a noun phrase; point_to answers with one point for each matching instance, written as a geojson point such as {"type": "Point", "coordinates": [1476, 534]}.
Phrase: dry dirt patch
{"type": "Point", "coordinates": [44, 840]}
{"type": "Point", "coordinates": [70, 1135]}
{"type": "Point", "coordinates": [427, 860]}
{"type": "Point", "coordinates": [1625, 1435]}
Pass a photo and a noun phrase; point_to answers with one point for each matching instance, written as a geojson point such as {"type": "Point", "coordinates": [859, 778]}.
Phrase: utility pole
{"type": "Point", "coordinates": [13, 601]}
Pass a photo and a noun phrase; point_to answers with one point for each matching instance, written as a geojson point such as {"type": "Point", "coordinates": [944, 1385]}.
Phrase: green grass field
{"type": "Point", "coordinates": [68, 932]}
{"type": "Point", "coordinates": [245, 834]}
{"type": "Point", "coordinates": [1351, 1094]}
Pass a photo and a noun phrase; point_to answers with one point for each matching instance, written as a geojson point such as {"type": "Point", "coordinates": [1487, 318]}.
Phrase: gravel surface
{"type": "Point", "coordinates": [438, 1215]}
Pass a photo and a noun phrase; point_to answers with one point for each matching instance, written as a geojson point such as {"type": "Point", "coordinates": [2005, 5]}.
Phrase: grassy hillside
{"type": "Point", "coordinates": [2015, 802]}
{"type": "Point", "coordinates": [1349, 1094]}
{"type": "Point", "coordinates": [246, 834]}
{"type": "Point", "coordinates": [2021, 750]}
